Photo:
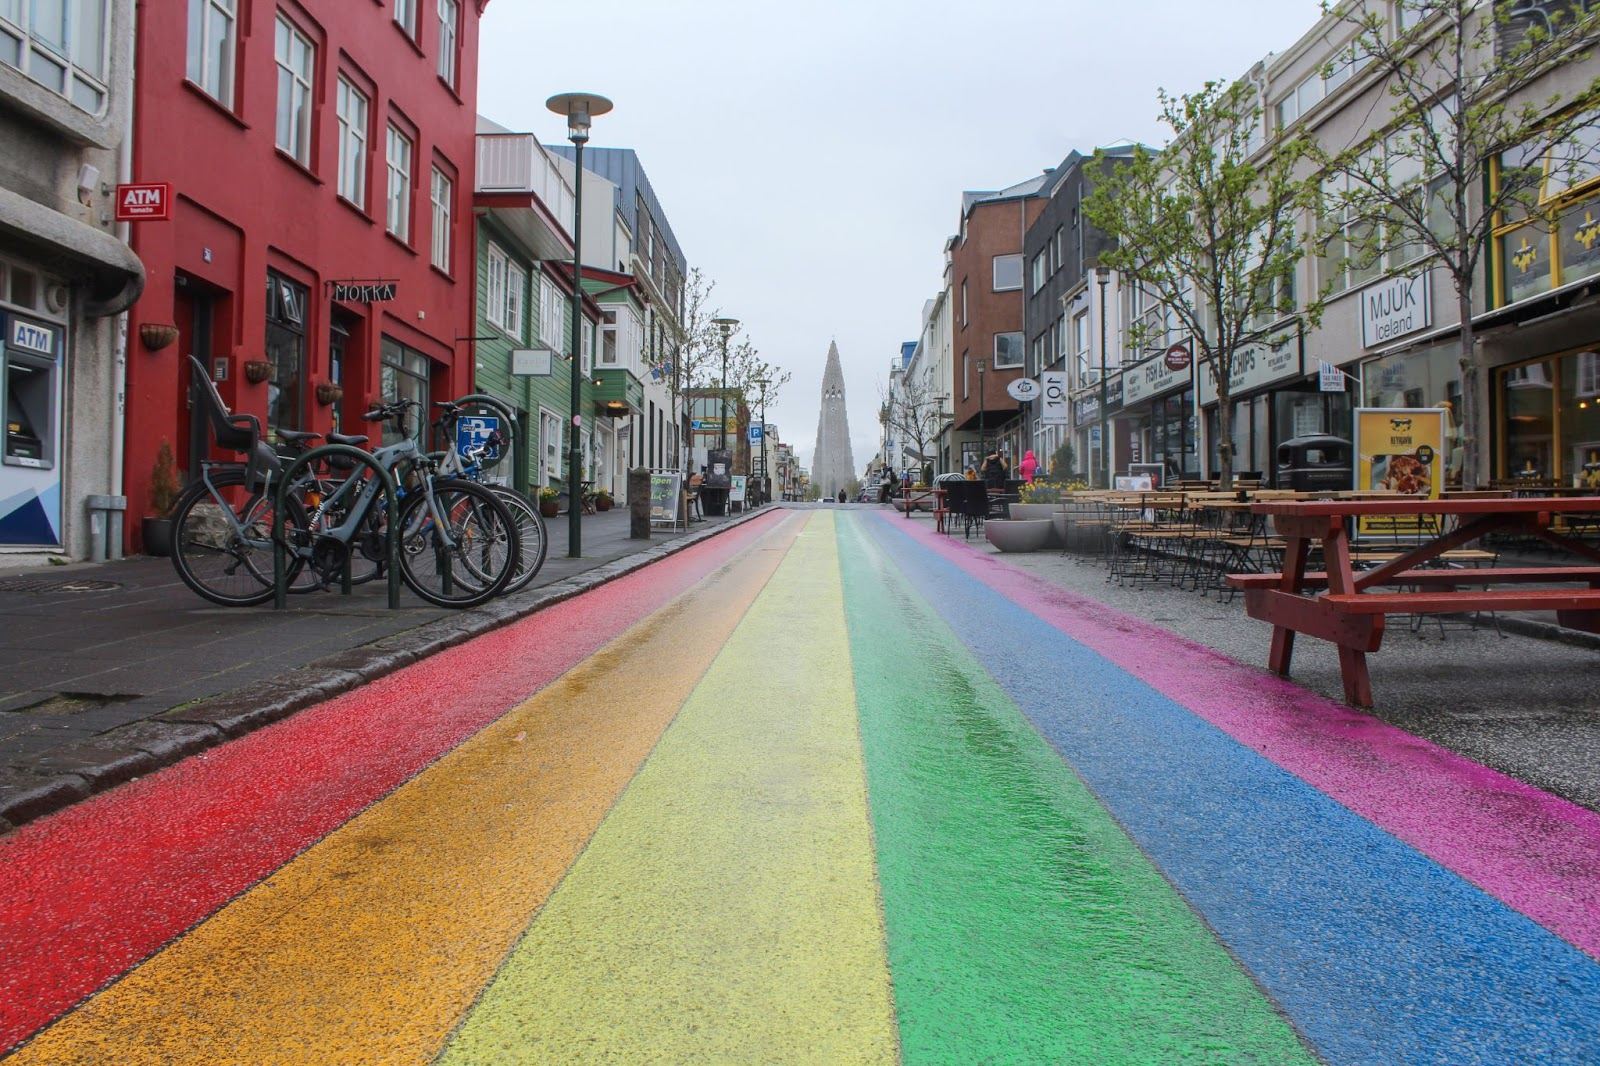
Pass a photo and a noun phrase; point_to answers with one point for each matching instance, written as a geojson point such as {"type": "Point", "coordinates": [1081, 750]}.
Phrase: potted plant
{"type": "Point", "coordinates": [156, 528]}
{"type": "Point", "coordinates": [549, 501]}
{"type": "Point", "coordinates": [329, 393]}
{"type": "Point", "coordinates": [603, 500]}
{"type": "Point", "coordinates": [257, 370]}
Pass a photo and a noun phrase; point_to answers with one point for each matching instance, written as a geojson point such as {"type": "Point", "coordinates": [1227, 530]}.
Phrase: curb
{"type": "Point", "coordinates": [75, 772]}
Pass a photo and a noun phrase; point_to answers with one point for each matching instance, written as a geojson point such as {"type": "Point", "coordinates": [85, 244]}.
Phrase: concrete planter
{"type": "Point", "coordinates": [1037, 512]}
{"type": "Point", "coordinates": [1028, 535]}
{"type": "Point", "coordinates": [1058, 527]}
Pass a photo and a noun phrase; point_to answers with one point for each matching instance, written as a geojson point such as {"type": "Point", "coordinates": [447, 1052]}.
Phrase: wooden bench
{"type": "Point", "coordinates": [1351, 616]}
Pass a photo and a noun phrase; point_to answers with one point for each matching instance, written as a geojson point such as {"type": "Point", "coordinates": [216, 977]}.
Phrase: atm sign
{"type": "Point", "coordinates": [149, 201]}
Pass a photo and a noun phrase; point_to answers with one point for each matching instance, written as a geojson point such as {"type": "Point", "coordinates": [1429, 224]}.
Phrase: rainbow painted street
{"type": "Point", "coordinates": [825, 788]}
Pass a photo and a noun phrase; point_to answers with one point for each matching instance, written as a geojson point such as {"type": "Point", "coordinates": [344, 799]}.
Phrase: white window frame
{"type": "Point", "coordinates": [399, 157]}
{"type": "Point", "coordinates": [494, 285]}
{"type": "Point", "coordinates": [405, 16]}
{"type": "Point", "coordinates": [609, 331]}
{"type": "Point", "coordinates": [449, 35]}
{"type": "Point", "coordinates": [552, 317]}
{"type": "Point", "coordinates": [551, 425]}
{"type": "Point", "coordinates": [293, 128]}
{"type": "Point", "coordinates": [355, 117]}
{"type": "Point", "coordinates": [995, 363]}
{"type": "Point", "coordinates": [206, 54]}
{"type": "Point", "coordinates": [516, 288]}
{"type": "Point", "coordinates": [994, 267]}
{"type": "Point", "coordinates": [65, 61]}
{"type": "Point", "coordinates": [1040, 269]}
{"type": "Point", "coordinates": [441, 192]}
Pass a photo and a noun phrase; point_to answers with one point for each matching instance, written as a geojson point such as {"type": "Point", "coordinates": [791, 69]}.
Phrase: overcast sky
{"type": "Point", "coordinates": [811, 157]}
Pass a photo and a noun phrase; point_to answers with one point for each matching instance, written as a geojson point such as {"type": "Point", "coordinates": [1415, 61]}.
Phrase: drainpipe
{"type": "Point", "coordinates": [119, 360]}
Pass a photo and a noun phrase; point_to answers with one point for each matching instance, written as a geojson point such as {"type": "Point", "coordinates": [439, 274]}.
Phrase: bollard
{"type": "Point", "coordinates": [105, 523]}
{"type": "Point", "coordinates": [639, 503]}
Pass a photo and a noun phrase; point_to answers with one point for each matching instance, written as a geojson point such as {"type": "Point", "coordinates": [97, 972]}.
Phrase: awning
{"type": "Point", "coordinates": [65, 246]}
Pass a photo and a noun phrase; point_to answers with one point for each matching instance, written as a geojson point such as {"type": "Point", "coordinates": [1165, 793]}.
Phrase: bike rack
{"type": "Point", "coordinates": [391, 496]}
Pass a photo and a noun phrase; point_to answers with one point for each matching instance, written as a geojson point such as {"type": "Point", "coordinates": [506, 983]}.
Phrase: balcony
{"type": "Point", "coordinates": [618, 393]}
{"type": "Point", "coordinates": [517, 176]}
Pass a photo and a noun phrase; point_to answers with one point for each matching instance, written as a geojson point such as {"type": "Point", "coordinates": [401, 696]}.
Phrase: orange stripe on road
{"type": "Point", "coordinates": [372, 944]}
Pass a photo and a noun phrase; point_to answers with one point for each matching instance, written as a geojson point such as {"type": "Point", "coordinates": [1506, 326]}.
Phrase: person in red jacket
{"type": "Point", "coordinates": [1029, 466]}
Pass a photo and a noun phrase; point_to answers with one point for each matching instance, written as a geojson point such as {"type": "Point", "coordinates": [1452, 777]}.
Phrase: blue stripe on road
{"type": "Point", "coordinates": [1376, 953]}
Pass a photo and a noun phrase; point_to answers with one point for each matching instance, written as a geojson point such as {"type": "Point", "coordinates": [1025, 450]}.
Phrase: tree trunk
{"type": "Point", "coordinates": [1470, 423]}
{"type": "Point", "coordinates": [1224, 435]}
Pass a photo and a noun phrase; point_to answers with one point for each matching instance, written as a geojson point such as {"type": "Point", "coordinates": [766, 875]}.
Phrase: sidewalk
{"type": "Point", "coordinates": [108, 671]}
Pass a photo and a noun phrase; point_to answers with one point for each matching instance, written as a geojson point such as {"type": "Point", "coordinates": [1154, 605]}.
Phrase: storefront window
{"type": "Point", "coordinates": [1529, 393]}
{"type": "Point", "coordinates": [286, 351]}
{"type": "Point", "coordinates": [404, 376]}
{"type": "Point", "coordinates": [1550, 236]}
{"type": "Point", "coordinates": [1580, 419]}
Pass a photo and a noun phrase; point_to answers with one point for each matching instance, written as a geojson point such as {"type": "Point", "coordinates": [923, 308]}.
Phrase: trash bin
{"type": "Point", "coordinates": [1315, 463]}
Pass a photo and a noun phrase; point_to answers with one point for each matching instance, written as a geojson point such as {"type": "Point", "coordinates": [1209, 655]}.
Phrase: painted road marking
{"type": "Point", "coordinates": [370, 945]}
{"type": "Point", "coordinates": [726, 911]}
{"type": "Point", "coordinates": [93, 890]}
{"type": "Point", "coordinates": [1009, 892]}
{"type": "Point", "coordinates": [1376, 953]}
{"type": "Point", "coordinates": [1533, 850]}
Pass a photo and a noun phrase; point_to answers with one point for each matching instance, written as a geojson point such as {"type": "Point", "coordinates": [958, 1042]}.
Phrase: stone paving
{"type": "Point", "coordinates": [102, 685]}
{"type": "Point", "coordinates": [1521, 704]}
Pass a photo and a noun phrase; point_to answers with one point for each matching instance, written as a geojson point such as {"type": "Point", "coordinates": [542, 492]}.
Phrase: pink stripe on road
{"type": "Point", "coordinates": [1534, 851]}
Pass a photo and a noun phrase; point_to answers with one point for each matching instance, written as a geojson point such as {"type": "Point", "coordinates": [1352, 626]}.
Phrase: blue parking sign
{"type": "Point", "coordinates": [478, 430]}
{"type": "Point", "coordinates": [756, 432]}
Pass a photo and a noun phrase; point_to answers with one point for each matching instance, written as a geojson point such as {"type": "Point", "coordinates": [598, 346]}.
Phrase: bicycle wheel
{"type": "Point", "coordinates": [471, 558]}
{"type": "Point", "coordinates": [532, 541]}
{"type": "Point", "coordinates": [229, 566]}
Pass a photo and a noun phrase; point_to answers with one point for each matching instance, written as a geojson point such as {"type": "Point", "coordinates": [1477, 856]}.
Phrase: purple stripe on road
{"type": "Point", "coordinates": [1534, 851]}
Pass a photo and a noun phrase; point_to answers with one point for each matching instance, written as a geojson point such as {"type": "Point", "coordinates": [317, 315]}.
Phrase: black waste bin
{"type": "Point", "coordinates": [1315, 463]}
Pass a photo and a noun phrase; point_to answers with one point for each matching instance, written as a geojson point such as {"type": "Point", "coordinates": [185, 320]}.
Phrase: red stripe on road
{"type": "Point", "coordinates": [88, 893]}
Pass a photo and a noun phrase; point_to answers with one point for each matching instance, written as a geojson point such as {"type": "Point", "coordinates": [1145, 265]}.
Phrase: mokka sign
{"type": "Point", "coordinates": [364, 292]}
{"type": "Point", "coordinates": [1395, 307]}
{"type": "Point", "coordinates": [145, 201]}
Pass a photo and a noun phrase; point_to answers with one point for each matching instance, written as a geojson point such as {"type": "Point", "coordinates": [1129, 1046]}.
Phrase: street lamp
{"type": "Point", "coordinates": [1102, 277]}
{"type": "Point", "coordinates": [725, 326]}
{"type": "Point", "coordinates": [578, 108]}
{"type": "Point", "coordinates": [983, 413]}
{"type": "Point", "coordinates": [762, 383]}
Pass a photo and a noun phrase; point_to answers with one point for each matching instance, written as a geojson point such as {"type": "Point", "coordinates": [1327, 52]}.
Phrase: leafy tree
{"type": "Point", "coordinates": [1467, 89]}
{"type": "Point", "coordinates": [1209, 234]}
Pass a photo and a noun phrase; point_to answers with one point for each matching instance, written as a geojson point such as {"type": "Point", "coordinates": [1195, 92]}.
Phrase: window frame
{"type": "Point", "coordinates": [346, 90]}
{"type": "Point", "coordinates": [303, 82]}
{"type": "Point", "coordinates": [449, 63]}
{"type": "Point", "coordinates": [1008, 258]}
{"type": "Point", "coordinates": [411, 24]}
{"type": "Point", "coordinates": [407, 177]}
{"type": "Point", "coordinates": [1022, 350]}
{"type": "Point", "coordinates": [37, 53]}
{"type": "Point", "coordinates": [202, 54]}
{"type": "Point", "coordinates": [1544, 222]}
{"type": "Point", "coordinates": [441, 238]}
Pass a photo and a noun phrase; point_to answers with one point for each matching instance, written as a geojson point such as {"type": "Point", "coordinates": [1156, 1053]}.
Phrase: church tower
{"type": "Point", "coordinates": [832, 466]}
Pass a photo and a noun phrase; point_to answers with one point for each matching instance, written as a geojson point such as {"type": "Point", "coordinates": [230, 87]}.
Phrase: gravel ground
{"type": "Point", "coordinates": [1526, 706]}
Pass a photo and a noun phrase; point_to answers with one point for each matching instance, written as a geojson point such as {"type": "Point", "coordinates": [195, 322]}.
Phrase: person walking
{"type": "Point", "coordinates": [1029, 466]}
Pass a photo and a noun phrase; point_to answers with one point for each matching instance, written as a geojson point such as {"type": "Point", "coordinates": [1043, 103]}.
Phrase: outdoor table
{"type": "Point", "coordinates": [1351, 616]}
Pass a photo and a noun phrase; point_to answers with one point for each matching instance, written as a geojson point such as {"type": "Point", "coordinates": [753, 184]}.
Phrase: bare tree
{"type": "Point", "coordinates": [913, 413]}
{"type": "Point", "coordinates": [699, 347]}
{"type": "Point", "coordinates": [1472, 119]}
{"type": "Point", "coordinates": [1209, 234]}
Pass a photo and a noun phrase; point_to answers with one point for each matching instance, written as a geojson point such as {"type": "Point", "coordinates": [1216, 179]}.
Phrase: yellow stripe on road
{"type": "Point", "coordinates": [371, 945]}
{"type": "Point", "coordinates": [727, 910]}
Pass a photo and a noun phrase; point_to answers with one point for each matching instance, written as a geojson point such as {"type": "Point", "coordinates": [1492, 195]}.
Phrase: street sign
{"type": "Point", "coordinates": [1053, 385]}
{"type": "Point", "coordinates": [1329, 377]}
{"type": "Point", "coordinates": [531, 362]}
{"type": "Point", "coordinates": [1024, 389]}
{"type": "Point", "coordinates": [755, 433]}
{"type": "Point", "coordinates": [475, 430]}
{"type": "Point", "coordinates": [145, 201]}
{"type": "Point", "coordinates": [712, 424]}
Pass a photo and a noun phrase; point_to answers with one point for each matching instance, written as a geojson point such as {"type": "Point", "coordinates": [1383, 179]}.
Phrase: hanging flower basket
{"type": "Point", "coordinates": [329, 394]}
{"type": "Point", "coordinates": [257, 370]}
{"type": "Point", "coordinates": [156, 336]}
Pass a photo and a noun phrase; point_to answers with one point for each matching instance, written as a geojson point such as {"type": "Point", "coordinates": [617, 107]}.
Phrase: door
{"type": "Point", "coordinates": [192, 311]}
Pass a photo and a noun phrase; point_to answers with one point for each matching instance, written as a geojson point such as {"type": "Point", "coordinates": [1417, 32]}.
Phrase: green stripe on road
{"type": "Point", "coordinates": [1024, 925]}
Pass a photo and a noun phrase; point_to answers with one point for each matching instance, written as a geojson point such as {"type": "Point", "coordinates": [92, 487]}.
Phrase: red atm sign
{"type": "Point", "coordinates": [149, 201]}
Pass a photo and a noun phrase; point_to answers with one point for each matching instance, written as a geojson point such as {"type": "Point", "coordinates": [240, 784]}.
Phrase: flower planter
{"type": "Point", "coordinates": [257, 370]}
{"type": "Point", "coordinates": [156, 335]}
{"type": "Point", "coordinates": [1026, 535]}
{"type": "Point", "coordinates": [602, 503]}
{"type": "Point", "coordinates": [1038, 512]}
{"type": "Point", "coordinates": [156, 533]}
{"type": "Point", "coordinates": [329, 394]}
{"type": "Point", "coordinates": [549, 508]}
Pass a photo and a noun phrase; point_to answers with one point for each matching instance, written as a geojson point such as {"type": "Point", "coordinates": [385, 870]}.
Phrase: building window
{"type": "Point", "coordinates": [963, 303]}
{"type": "Point", "coordinates": [1080, 346]}
{"type": "Point", "coordinates": [212, 45]}
{"type": "Point", "coordinates": [608, 339]}
{"type": "Point", "coordinates": [1008, 350]}
{"type": "Point", "coordinates": [449, 32]}
{"type": "Point", "coordinates": [550, 427]}
{"type": "Point", "coordinates": [443, 189]}
{"type": "Point", "coordinates": [296, 57]}
{"type": "Point", "coordinates": [352, 108]}
{"type": "Point", "coordinates": [1007, 272]}
{"type": "Point", "coordinates": [552, 316]}
{"type": "Point", "coordinates": [398, 155]}
{"type": "Point", "coordinates": [1040, 269]}
{"type": "Point", "coordinates": [1550, 235]}
{"type": "Point", "coordinates": [515, 299]}
{"type": "Point", "coordinates": [403, 375]}
{"type": "Point", "coordinates": [286, 351]}
{"type": "Point", "coordinates": [405, 16]}
{"type": "Point", "coordinates": [61, 44]}
{"type": "Point", "coordinates": [494, 286]}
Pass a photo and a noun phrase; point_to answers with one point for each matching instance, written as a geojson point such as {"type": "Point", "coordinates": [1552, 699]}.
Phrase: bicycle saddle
{"type": "Point", "coordinates": [298, 436]}
{"type": "Point", "coordinates": [354, 440]}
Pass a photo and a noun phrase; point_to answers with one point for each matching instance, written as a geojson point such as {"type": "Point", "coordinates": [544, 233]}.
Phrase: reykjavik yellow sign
{"type": "Point", "coordinates": [1401, 450]}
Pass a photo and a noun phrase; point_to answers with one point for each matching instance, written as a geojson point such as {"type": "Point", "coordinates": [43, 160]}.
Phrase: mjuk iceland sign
{"type": "Point", "coordinates": [1395, 308]}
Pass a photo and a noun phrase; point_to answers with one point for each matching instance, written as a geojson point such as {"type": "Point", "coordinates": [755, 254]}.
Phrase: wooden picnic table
{"type": "Point", "coordinates": [1351, 615]}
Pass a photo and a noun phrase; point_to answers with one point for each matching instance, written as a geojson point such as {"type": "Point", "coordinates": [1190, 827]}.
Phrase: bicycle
{"type": "Point", "coordinates": [476, 462]}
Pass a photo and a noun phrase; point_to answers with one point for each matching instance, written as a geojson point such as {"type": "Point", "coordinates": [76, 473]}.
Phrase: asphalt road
{"type": "Point", "coordinates": [826, 788]}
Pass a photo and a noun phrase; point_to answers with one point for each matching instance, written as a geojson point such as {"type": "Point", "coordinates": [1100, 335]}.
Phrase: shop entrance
{"type": "Point", "coordinates": [194, 313]}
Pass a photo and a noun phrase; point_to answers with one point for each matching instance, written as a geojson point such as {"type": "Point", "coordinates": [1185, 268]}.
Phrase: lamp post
{"type": "Point", "coordinates": [762, 383]}
{"type": "Point", "coordinates": [1102, 277]}
{"type": "Point", "coordinates": [725, 326]}
{"type": "Point", "coordinates": [579, 109]}
{"type": "Point", "coordinates": [983, 412]}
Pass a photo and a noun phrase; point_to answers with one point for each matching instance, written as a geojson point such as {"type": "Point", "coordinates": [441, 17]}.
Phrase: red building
{"type": "Point", "coordinates": [320, 154]}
